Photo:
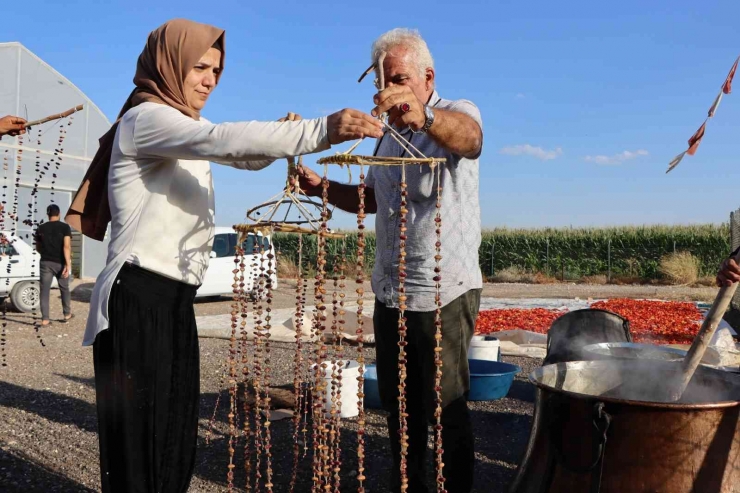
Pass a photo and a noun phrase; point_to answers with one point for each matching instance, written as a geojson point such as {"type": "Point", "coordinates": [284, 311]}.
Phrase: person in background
{"type": "Point", "coordinates": [12, 125]}
{"type": "Point", "coordinates": [151, 180]}
{"type": "Point", "coordinates": [442, 128]}
{"type": "Point", "coordinates": [54, 243]}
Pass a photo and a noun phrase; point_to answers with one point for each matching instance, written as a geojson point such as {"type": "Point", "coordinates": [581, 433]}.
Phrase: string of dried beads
{"type": "Point", "coordinates": [4, 334]}
{"type": "Point", "coordinates": [18, 169]}
{"type": "Point", "coordinates": [297, 363]}
{"type": "Point", "coordinates": [305, 378]}
{"type": "Point", "coordinates": [62, 135]}
{"type": "Point", "coordinates": [438, 337]}
{"type": "Point", "coordinates": [339, 286]}
{"type": "Point", "coordinates": [403, 426]}
{"type": "Point", "coordinates": [360, 280]}
{"type": "Point", "coordinates": [232, 373]}
{"type": "Point", "coordinates": [320, 402]}
{"type": "Point", "coordinates": [266, 381]}
{"type": "Point", "coordinates": [333, 422]}
{"type": "Point", "coordinates": [32, 225]}
{"type": "Point", "coordinates": [244, 308]}
{"type": "Point", "coordinates": [259, 282]}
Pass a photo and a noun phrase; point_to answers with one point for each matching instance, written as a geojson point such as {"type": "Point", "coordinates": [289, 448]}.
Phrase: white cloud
{"type": "Point", "coordinates": [616, 158]}
{"type": "Point", "coordinates": [520, 96]}
{"type": "Point", "coordinates": [528, 150]}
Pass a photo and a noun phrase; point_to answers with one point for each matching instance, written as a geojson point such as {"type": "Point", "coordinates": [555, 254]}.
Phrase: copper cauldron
{"type": "Point", "coordinates": [598, 428]}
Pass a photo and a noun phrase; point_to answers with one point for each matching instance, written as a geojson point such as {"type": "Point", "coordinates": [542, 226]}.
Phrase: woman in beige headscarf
{"type": "Point", "coordinates": [151, 180]}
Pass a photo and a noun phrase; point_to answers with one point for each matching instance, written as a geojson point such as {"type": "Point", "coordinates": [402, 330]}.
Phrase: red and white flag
{"type": "Point", "coordinates": [675, 161]}
{"type": "Point", "coordinates": [695, 139]}
{"type": "Point", "coordinates": [713, 109]}
{"type": "Point", "coordinates": [727, 86]}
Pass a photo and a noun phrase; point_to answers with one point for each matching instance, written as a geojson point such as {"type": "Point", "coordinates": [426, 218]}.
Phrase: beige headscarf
{"type": "Point", "coordinates": [171, 51]}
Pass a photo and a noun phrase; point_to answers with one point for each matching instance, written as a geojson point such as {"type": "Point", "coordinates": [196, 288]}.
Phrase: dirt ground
{"type": "Point", "coordinates": [48, 439]}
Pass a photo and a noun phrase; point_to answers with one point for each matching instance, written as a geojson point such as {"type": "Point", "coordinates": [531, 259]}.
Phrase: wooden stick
{"type": "Point", "coordinates": [693, 358]}
{"type": "Point", "coordinates": [54, 117]}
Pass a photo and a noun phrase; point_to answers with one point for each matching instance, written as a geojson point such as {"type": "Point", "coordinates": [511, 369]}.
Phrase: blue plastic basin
{"type": "Point", "coordinates": [372, 396]}
{"type": "Point", "coordinates": [490, 380]}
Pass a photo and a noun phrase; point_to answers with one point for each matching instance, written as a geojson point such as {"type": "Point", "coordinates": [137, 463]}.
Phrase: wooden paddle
{"type": "Point", "coordinates": [703, 338]}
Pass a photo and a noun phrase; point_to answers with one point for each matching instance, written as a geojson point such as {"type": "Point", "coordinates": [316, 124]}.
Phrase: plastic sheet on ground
{"type": "Point", "coordinates": [282, 325]}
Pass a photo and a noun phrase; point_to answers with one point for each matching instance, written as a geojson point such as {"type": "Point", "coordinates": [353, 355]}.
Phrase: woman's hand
{"type": "Point", "coordinates": [12, 125]}
{"type": "Point", "coordinates": [729, 273]}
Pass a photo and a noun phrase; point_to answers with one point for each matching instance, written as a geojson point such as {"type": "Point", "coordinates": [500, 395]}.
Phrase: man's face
{"type": "Point", "coordinates": [400, 70]}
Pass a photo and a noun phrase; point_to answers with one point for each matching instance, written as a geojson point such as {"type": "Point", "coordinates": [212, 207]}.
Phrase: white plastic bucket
{"type": "Point", "coordinates": [348, 395]}
{"type": "Point", "coordinates": [486, 348]}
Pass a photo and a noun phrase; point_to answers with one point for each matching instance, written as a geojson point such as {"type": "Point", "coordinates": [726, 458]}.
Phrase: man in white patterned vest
{"type": "Point", "coordinates": [441, 128]}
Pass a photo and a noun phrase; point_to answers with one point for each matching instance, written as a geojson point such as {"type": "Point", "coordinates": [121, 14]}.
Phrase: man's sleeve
{"type": "Point", "coordinates": [370, 177]}
{"type": "Point", "coordinates": [68, 230]}
{"type": "Point", "coordinates": [469, 108]}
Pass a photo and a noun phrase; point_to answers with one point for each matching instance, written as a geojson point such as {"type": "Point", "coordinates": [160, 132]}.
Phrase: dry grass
{"type": "Point", "coordinates": [596, 279]}
{"type": "Point", "coordinates": [540, 278]}
{"type": "Point", "coordinates": [708, 281]}
{"type": "Point", "coordinates": [680, 268]}
{"type": "Point", "coordinates": [286, 268]}
{"type": "Point", "coordinates": [513, 274]}
{"type": "Point", "coordinates": [627, 280]}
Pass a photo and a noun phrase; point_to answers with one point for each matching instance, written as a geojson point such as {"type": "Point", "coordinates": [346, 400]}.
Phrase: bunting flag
{"type": "Point", "coordinates": [695, 139]}
{"type": "Point", "coordinates": [727, 86]}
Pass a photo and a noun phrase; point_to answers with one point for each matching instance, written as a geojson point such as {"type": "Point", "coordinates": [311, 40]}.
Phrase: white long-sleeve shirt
{"type": "Point", "coordinates": [160, 189]}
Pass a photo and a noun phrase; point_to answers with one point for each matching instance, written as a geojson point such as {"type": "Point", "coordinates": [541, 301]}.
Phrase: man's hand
{"type": "Point", "coordinates": [65, 272]}
{"type": "Point", "coordinates": [12, 125]}
{"type": "Point", "coordinates": [392, 100]}
{"type": "Point", "coordinates": [309, 181]}
{"type": "Point", "coordinates": [351, 124]}
{"type": "Point", "coordinates": [729, 273]}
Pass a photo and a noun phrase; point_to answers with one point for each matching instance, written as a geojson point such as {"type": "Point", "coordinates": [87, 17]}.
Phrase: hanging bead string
{"type": "Point", "coordinates": [403, 426]}
{"type": "Point", "coordinates": [233, 408]}
{"type": "Point", "coordinates": [244, 308]}
{"type": "Point", "coordinates": [339, 355]}
{"type": "Point", "coordinates": [32, 225]}
{"type": "Point", "coordinates": [360, 279]}
{"type": "Point", "coordinates": [438, 337]}
{"type": "Point", "coordinates": [18, 169]}
{"type": "Point", "coordinates": [57, 162]}
{"type": "Point", "coordinates": [306, 376]}
{"type": "Point", "coordinates": [298, 363]}
{"type": "Point", "coordinates": [5, 244]}
{"type": "Point", "coordinates": [334, 405]}
{"type": "Point", "coordinates": [258, 361]}
{"type": "Point", "coordinates": [320, 401]}
{"type": "Point", "coordinates": [268, 295]}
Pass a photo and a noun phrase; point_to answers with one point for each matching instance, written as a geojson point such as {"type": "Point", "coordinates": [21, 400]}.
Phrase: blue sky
{"type": "Point", "coordinates": [626, 83]}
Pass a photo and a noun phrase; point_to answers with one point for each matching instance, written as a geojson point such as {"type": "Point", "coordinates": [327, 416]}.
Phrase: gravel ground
{"type": "Point", "coordinates": [48, 438]}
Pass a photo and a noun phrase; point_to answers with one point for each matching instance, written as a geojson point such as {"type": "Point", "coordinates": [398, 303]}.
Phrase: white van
{"type": "Point", "coordinates": [219, 277]}
{"type": "Point", "coordinates": [19, 273]}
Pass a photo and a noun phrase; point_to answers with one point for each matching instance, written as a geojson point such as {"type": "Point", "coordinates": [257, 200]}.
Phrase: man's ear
{"type": "Point", "coordinates": [429, 78]}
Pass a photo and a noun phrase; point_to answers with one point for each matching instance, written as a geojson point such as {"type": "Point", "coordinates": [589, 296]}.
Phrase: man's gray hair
{"type": "Point", "coordinates": [408, 38]}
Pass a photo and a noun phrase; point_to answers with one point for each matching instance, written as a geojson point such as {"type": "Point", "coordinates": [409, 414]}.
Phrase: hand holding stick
{"type": "Point", "coordinates": [55, 117]}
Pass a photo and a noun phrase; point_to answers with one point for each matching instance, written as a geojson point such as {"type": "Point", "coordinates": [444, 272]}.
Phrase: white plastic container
{"type": "Point", "coordinates": [348, 395]}
{"type": "Point", "coordinates": [485, 348]}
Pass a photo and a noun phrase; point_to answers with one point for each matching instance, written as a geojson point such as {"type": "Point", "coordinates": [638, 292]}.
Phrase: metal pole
{"type": "Point", "coordinates": [674, 247]}
{"type": "Point", "coordinates": [547, 257]}
{"type": "Point", "coordinates": [609, 260]}
{"type": "Point", "coordinates": [493, 251]}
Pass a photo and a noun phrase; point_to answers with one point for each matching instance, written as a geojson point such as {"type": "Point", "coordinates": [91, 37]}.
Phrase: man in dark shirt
{"type": "Point", "coordinates": [54, 243]}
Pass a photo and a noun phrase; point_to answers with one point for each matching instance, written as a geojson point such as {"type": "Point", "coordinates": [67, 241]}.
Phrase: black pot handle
{"type": "Point", "coordinates": [601, 422]}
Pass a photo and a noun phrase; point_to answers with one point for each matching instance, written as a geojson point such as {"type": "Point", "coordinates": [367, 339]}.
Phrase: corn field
{"type": "Point", "coordinates": [563, 253]}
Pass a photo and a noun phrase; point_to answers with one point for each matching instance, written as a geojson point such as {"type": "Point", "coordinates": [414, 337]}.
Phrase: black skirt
{"type": "Point", "coordinates": [147, 381]}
